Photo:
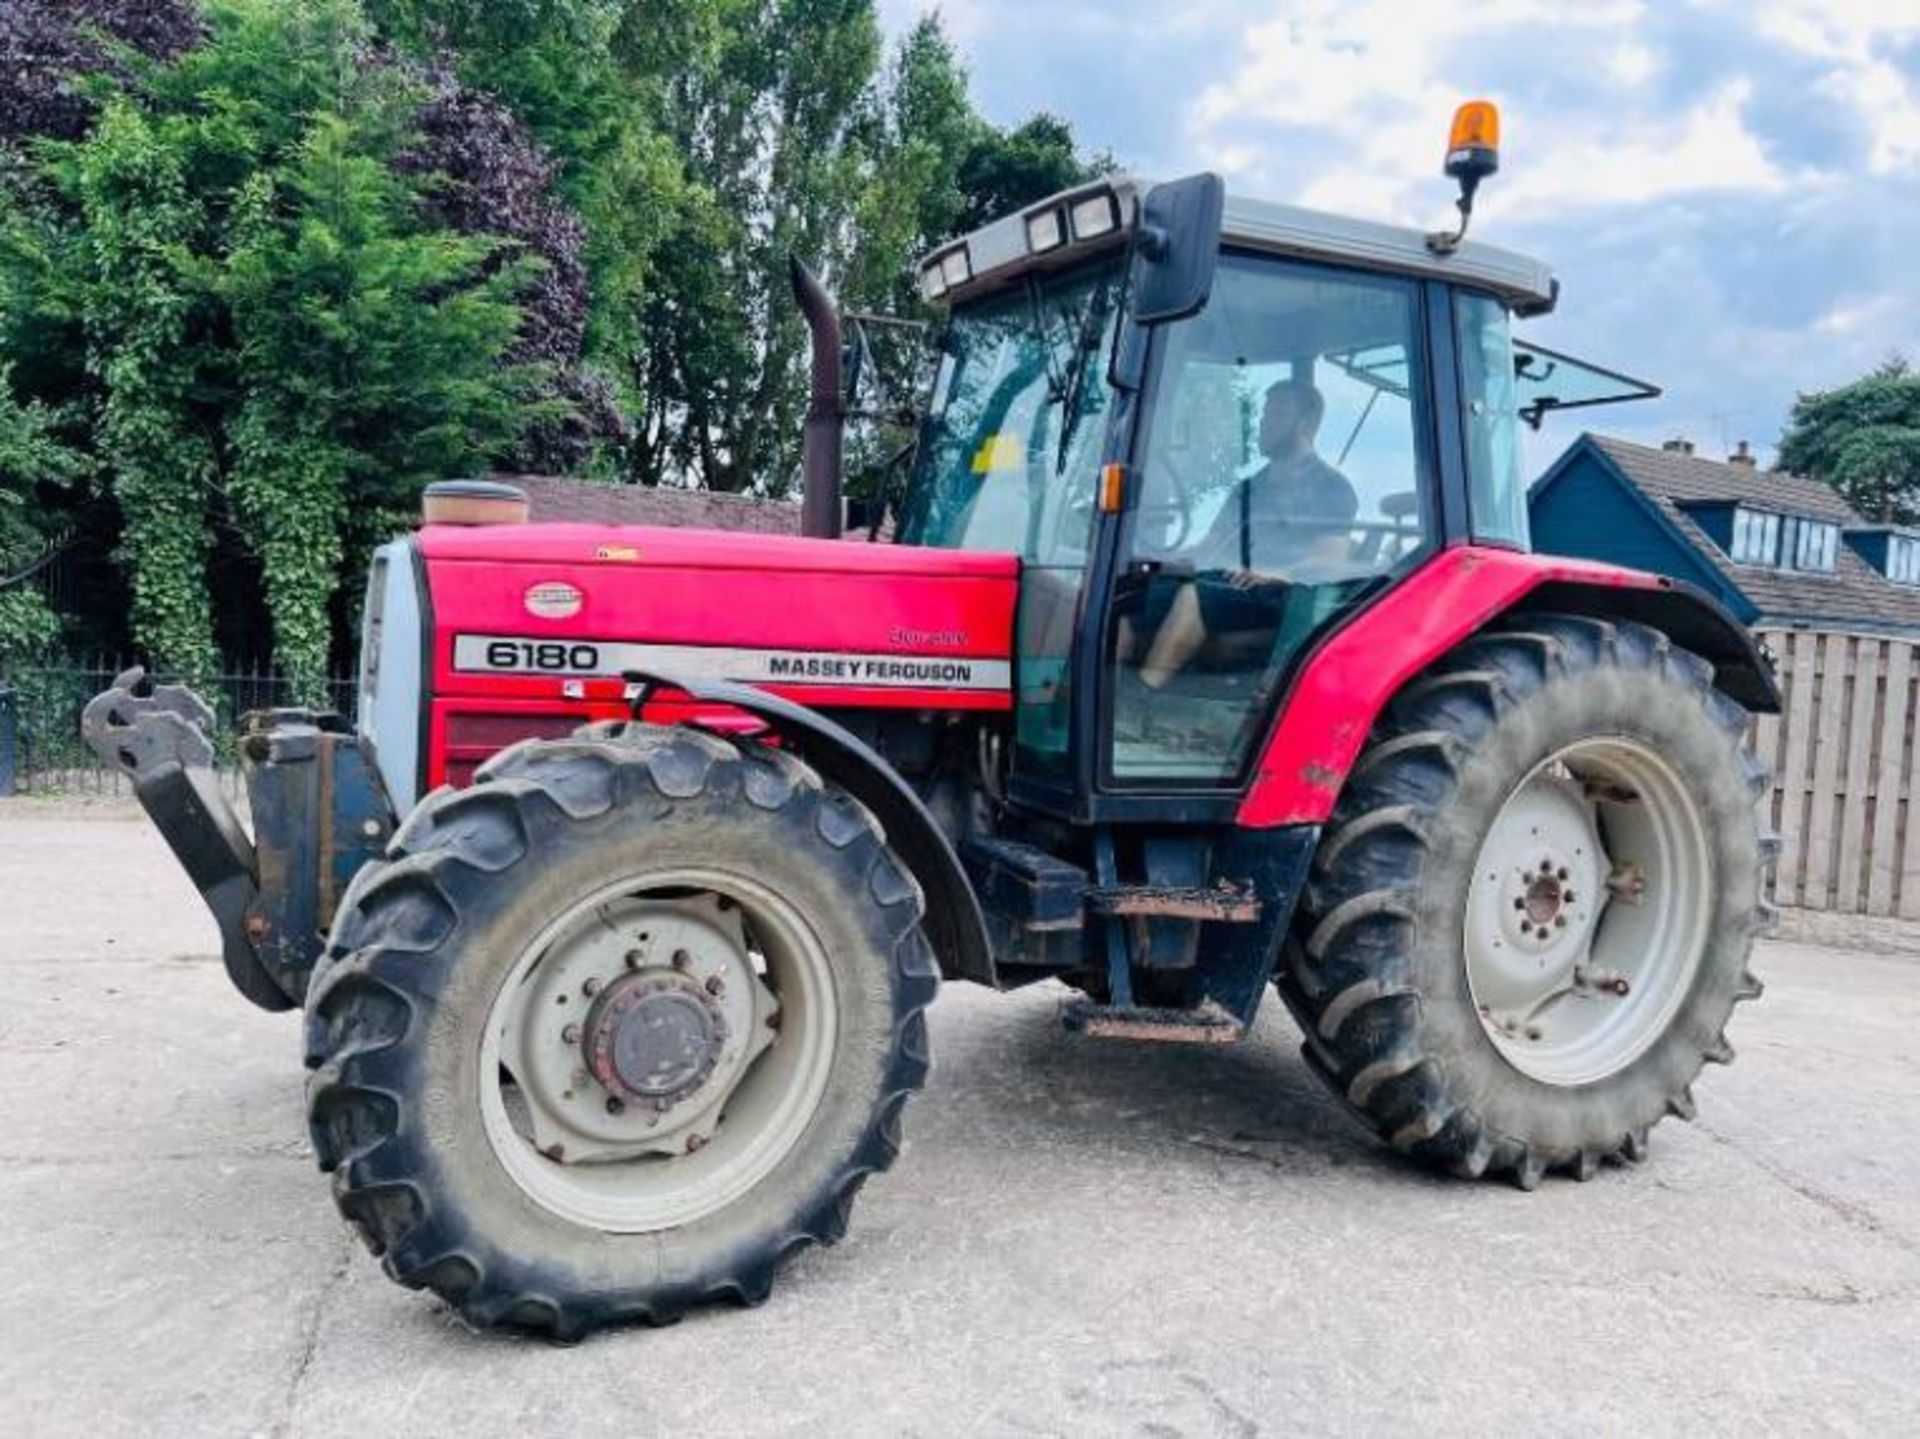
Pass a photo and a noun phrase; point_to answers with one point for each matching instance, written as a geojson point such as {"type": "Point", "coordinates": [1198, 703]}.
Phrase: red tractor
{"type": "Point", "coordinates": [1206, 653]}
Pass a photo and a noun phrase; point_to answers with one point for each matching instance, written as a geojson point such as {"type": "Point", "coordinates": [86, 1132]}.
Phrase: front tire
{"type": "Point", "coordinates": [618, 1030]}
{"type": "Point", "coordinates": [1530, 917]}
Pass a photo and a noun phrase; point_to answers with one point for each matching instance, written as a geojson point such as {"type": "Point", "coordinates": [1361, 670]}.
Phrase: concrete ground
{"type": "Point", "coordinates": [1081, 1237]}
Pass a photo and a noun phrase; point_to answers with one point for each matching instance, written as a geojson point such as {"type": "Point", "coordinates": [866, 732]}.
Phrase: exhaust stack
{"type": "Point", "coordinates": [820, 453]}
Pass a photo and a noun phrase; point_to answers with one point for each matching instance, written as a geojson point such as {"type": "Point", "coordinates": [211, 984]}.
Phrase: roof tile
{"type": "Point", "coordinates": [555, 500]}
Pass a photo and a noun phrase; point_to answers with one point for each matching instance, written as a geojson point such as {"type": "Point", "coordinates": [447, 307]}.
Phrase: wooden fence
{"type": "Point", "coordinates": [1842, 756]}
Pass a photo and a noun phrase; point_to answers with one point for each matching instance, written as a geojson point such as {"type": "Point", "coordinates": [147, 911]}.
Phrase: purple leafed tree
{"type": "Point", "coordinates": [46, 46]}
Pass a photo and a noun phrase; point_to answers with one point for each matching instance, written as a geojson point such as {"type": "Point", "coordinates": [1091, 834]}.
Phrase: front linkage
{"type": "Point", "coordinates": [319, 812]}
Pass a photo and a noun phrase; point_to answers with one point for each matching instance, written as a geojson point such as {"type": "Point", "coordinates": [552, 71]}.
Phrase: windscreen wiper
{"type": "Point", "coordinates": [1093, 320]}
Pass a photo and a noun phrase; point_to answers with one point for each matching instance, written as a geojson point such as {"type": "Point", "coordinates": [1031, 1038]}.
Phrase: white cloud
{"type": "Point", "coordinates": [1707, 148]}
{"type": "Point", "coordinates": [1372, 85]}
{"type": "Point", "coordinates": [1851, 38]}
{"type": "Point", "coordinates": [965, 20]}
{"type": "Point", "coordinates": [1323, 62]}
{"type": "Point", "coordinates": [1728, 188]}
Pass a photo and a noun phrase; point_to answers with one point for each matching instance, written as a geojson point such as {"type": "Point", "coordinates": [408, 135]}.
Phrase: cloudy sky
{"type": "Point", "coordinates": [1728, 189]}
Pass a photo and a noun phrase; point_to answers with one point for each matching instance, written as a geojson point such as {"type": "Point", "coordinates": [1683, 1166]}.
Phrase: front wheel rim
{"type": "Point", "coordinates": [658, 1050]}
{"type": "Point", "coordinates": [1589, 911]}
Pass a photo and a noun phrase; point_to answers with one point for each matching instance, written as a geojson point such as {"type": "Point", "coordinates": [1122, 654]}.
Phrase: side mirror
{"type": "Point", "coordinates": [1177, 248]}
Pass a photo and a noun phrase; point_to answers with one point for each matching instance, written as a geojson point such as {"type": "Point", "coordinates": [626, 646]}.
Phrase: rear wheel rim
{"type": "Point", "coordinates": [1589, 911]}
{"type": "Point", "coordinates": [658, 1050]}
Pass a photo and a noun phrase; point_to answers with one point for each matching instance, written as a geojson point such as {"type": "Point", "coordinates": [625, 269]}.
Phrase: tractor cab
{"type": "Point", "coordinates": [1212, 429]}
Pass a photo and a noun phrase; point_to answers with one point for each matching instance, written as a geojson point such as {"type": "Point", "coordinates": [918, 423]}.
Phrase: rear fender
{"type": "Point", "coordinates": [955, 926]}
{"type": "Point", "coordinates": [1689, 617]}
{"type": "Point", "coordinates": [1345, 684]}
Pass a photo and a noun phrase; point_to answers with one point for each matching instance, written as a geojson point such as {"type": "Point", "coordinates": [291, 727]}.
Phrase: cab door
{"type": "Point", "coordinates": [1285, 473]}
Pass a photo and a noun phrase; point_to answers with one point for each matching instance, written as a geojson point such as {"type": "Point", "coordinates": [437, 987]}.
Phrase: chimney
{"type": "Point", "coordinates": [1678, 446]}
{"type": "Point", "coordinates": [1742, 455]}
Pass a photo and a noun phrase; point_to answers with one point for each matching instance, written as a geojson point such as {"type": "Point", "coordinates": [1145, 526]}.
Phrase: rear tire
{"type": "Point", "coordinates": [428, 1113]}
{"type": "Point", "coordinates": [1403, 934]}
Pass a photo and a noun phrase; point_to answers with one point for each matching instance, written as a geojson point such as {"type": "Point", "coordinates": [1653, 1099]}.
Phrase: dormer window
{"type": "Point", "coordinates": [1809, 545]}
{"type": "Point", "coordinates": [1756, 537]}
{"type": "Point", "coordinates": [1903, 559]}
{"type": "Point", "coordinates": [1787, 542]}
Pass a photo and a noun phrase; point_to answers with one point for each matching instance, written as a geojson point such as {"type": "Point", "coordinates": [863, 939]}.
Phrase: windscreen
{"type": "Point", "coordinates": [1010, 450]}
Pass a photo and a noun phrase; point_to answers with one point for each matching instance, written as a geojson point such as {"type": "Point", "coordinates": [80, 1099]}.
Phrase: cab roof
{"type": "Point", "coordinates": [999, 251]}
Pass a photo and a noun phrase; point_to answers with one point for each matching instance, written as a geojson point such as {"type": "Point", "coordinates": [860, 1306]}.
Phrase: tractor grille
{"type": "Point", "coordinates": [475, 736]}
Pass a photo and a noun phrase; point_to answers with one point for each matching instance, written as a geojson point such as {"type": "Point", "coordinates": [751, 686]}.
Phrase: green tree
{"type": "Point", "coordinates": [368, 365]}
{"type": "Point", "coordinates": [32, 454]}
{"type": "Point", "coordinates": [771, 129]}
{"type": "Point", "coordinates": [796, 139]}
{"type": "Point", "coordinates": [281, 344]}
{"type": "Point", "coordinates": [1864, 440]}
{"type": "Point", "coordinates": [587, 79]}
{"type": "Point", "coordinates": [138, 219]}
{"type": "Point", "coordinates": [1005, 169]}
{"type": "Point", "coordinates": [919, 134]}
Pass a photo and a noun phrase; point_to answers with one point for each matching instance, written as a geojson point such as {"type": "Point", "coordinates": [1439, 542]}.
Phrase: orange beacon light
{"type": "Point", "coordinates": [1473, 153]}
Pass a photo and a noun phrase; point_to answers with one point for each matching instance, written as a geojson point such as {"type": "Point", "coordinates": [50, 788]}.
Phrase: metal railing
{"type": "Point", "coordinates": [41, 751]}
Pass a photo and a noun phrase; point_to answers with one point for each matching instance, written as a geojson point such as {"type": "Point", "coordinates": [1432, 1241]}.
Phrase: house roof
{"type": "Point", "coordinates": [554, 500]}
{"type": "Point", "coordinates": [1854, 594]}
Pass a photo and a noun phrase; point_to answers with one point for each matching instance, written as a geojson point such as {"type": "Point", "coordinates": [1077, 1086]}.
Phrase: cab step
{"type": "Point", "coordinates": [1223, 903]}
{"type": "Point", "coordinates": [1208, 1024]}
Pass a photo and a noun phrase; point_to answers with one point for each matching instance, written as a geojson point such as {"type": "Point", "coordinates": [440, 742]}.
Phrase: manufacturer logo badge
{"type": "Point", "coordinates": [554, 600]}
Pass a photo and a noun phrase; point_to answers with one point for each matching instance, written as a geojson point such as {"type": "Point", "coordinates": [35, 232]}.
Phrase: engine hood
{"type": "Point", "coordinates": [558, 612]}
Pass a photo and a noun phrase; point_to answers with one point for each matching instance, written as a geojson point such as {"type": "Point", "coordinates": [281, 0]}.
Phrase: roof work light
{"type": "Point", "coordinates": [1094, 216]}
{"type": "Point", "coordinates": [1473, 153]}
{"type": "Point", "coordinates": [1044, 231]}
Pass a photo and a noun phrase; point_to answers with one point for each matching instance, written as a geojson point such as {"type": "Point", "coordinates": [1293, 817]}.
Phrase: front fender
{"type": "Point", "coordinates": [956, 928]}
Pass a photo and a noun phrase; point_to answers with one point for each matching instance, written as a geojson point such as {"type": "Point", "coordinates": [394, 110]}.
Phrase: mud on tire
{"type": "Point", "coordinates": [1375, 970]}
{"type": "Point", "coordinates": [426, 940]}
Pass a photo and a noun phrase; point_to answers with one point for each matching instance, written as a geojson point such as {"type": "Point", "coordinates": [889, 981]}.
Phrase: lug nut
{"type": "Point", "coordinates": [571, 1034]}
{"type": "Point", "coordinates": [616, 1105]}
{"type": "Point", "coordinates": [681, 959]}
{"type": "Point", "coordinates": [591, 987]}
{"type": "Point", "coordinates": [696, 1143]}
{"type": "Point", "coordinates": [1560, 874]}
{"type": "Point", "coordinates": [634, 957]}
{"type": "Point", "coordinates": [716, 987]}
{"type": "Point", "coordinates": [1559, 921]}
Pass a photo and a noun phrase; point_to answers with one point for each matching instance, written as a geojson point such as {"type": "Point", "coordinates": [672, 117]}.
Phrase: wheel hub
{"type": "Point", "coordinates": [654, 1038]}
{"type": "Point", "coordinates": [1540, 901]}
{"type": "Point", "coordinates": [671, 1016]}
{"type": "Point", "coordinates": [656, 1050]}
